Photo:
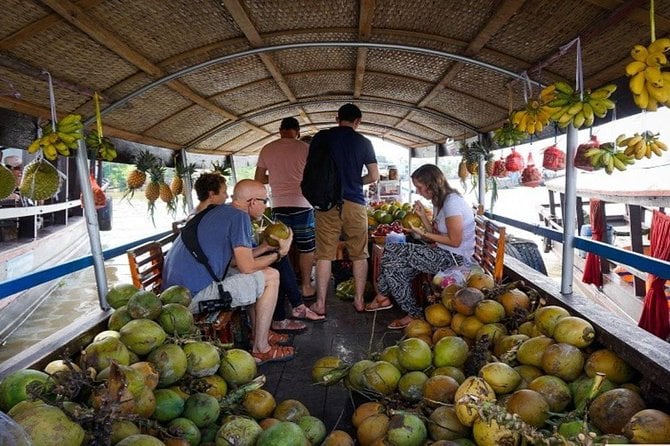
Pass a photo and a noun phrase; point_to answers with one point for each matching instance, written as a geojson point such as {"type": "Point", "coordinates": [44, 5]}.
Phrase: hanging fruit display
{"type": "Point", "coordinates": [648, 83]}
{"type": "Point", "coordinates": [573, 107]}
{"type": "Point", "coordinates": [7, 182]}
{"type": "Point", "coordinates": [642, 145]}
{"type": "Point", "coordinates": [533, 118]}
{"type": "Point", "coordinates": [101, 146]}
{"type": "Point", "coordinates": [499, 169]}
{"type": "Point", "coordinates": [530, 176]}
{"type": "Point", "coordinates": [508, 135]}
{"type": "Point", "coordinates": [514, 161]}
{"type": "Point", "coordinates": [138, 176]}
{"type": "Point", "coordinates": [553, 158]}
{"type": "Point", "coordinates": [40, 180]}
{"type": "Point", "coordinates": [581, 160]}
{"type": "Point", "coordinates": [607, 156]}
{"type": "Point", "coordinates": [60, 140]}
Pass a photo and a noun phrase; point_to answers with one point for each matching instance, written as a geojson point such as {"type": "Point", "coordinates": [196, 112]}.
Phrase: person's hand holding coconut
{"type": "Point", "coordinates": [280, 236]}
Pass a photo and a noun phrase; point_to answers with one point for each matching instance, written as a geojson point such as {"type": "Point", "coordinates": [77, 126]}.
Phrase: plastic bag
{"type": "Point", "coordinates": [456, 275]}
{"type": "Point", "coordinates": [11, 433]}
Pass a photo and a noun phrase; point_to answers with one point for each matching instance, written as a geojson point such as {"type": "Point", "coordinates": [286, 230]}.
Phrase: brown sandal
{"type": "Point", "coordinates": [307, 314]}
{"type": "Point", "coordinates": [276, 353]}
{"type": "Point", "coordinates": [288, 325]}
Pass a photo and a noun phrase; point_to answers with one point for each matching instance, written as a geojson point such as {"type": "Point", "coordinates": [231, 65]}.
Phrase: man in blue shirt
{"type": "Point", "coordinates": [351, 152]}
{"type": "Point", "coordinates": [224, 234]}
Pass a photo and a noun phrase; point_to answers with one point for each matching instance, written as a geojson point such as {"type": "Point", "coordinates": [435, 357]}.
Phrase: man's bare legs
{"type": "Point", "coordinates": [323, 270]}
{"type": "Point", "coordinates": [360, 270]}
{"type": "Point", "coordinates": [261, 316]}
{"type": "Point", "coordinates": [306, 261]}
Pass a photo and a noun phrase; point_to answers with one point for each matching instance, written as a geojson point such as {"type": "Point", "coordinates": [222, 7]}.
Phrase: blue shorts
{"type": "Point", "coordinates": [301, 221]}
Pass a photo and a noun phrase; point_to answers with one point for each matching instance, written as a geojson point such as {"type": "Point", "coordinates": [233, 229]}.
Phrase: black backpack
{"type": "Point", "coordinates": [321, 184]}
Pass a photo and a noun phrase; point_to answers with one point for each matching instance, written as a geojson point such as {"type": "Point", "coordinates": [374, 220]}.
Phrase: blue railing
{"type": "Point", "coordinates": [13, 286]}
{"type": "Point", "coordinates": [635, 260]}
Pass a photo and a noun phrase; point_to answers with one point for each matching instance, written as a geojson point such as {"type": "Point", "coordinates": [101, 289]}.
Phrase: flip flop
{"type": "Point", "coordinates": [288, 325]}
{"type": "Point", "coordinates": [308, 315]}
{"type": "Point", "coordinates": [375, 306]}
{"type": "Point", "coordinates": [320, 314]}
{"type": "Point", "coordinates": [277, 353]}
{"type": "Point", "coordinates": [397, 325]}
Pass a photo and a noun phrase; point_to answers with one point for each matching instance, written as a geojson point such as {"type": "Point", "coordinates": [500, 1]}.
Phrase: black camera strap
{"type": "Point", "coordinates": [189, 236]}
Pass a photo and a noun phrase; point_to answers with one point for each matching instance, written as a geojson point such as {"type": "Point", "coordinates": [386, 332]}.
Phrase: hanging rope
{"type": "Point", "coordinates": [52, 101]}
{"type": "Point", "coordinates": [98, 116]}
{"type": "Point", "coordinates": [579, 74]}
{"type": "Point", "coordinates": [652, 21]}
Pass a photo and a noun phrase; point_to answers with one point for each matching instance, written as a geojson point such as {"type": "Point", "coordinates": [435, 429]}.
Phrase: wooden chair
{"type": "Point", "coordinates": [490, 245]}
{"type": "Point", "coordinates": [146, 266]}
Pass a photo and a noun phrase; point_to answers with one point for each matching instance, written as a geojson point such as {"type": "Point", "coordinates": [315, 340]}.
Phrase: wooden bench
{"type": "Point", "coordinates": [146, 263]}
{"type": "Point", "coordinates": [490, 245]}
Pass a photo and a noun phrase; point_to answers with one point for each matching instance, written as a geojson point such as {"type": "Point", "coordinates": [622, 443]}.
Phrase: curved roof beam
{"type": "Point", "coordinates": [325, 124]}
{"type": "Point", "coordinates": [287, 46]}
{"type": "Point", "coordinates": [249, 116]}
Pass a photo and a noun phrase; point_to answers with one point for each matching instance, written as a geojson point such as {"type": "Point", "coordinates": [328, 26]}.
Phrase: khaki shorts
{"type": "Point", "coordinates": [244, 289]}
{"type": "Point", "coordinates": [351, 224]}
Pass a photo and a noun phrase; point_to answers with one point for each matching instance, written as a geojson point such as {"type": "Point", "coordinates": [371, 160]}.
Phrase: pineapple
{"type": "Point", "coordinates": [137, 177]}
{"type": "Point", "coordinates": [223, 169]}
{"type": "Point", "coordinates": [177, 183]}
{"type": "Point", "coordinates": [153, 189]}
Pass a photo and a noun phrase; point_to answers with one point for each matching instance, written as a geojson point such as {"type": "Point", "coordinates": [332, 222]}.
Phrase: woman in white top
{"type": "Point", "coordinates": [449, 241]}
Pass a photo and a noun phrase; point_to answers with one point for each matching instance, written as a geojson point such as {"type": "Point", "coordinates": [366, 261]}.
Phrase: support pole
{"type": "Point", "coordinates": [91, 216]}
{"type": "Point", "coordinates": [482, 183]}
{"type": "Point", "coordinates": [188, 187]}
{"type": "Point", "coordinates": [567, 262]}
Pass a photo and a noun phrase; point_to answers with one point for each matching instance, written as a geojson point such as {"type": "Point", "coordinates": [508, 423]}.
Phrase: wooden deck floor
{"type": "Point", "coordinates": [346, 334]}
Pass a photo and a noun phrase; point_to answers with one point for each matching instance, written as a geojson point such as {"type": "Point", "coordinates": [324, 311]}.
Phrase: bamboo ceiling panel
{"type": "Point", "coordinates": [168, 27]}
{"type": "Point", "coordinates": [250, 97]}
{"type": "Point", "coordinates": [226, 76]}
{"type": "Point", "coordinates": [116, 47]}
{"type": "Point", "coordinates": [315, 59]}
{"type": "Point", "coordinates": [291, 15]}
{"type": "Point", "coordinates": [434, 17]}
{"type": "Point", "coordinates": [181, 125]}
{"type": "Point", "coordinates": [319, 83]}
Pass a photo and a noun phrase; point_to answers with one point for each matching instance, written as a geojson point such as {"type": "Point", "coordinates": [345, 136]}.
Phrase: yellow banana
{"type": "Point", "coordinates": [599, 108]}
{"type": "Point", "coordinates": [538, 127]}
{"type": "Point", "coordinates": [652, 104]}
{"type": "Point", "coordinates": [640, 150]}
{"type": "Point", "coordinates": [62, 148]}
{"type": "Point", "coordinates": [642, 99]}
{"type": "Point", "coordinates": [548, 93]}
{"type": "Point", "coordinates": [596, 159]}
{"type": "Point", "coordinates": [565, 118]}
{"type": "Point", "coordinates": [635, 67]}
{"type": "Point", "coordinates": [620, 140]}
{"type": "Point", "coordinates": [659, 46]}
{"type": "Point", "coordinates": [589, 116]}
{"type": "Point", "coordinates": [655, 149]}
{"type": "Point", "coordinates": [634, 139]}
{"type": "Point", "coordinates": [656, 59]}
{"type": "Point", "coordinates": [653, 75]}
{"type": "Point", "coordinates": [575, 108]}
{"type": "Point", "coordinates": [659, 94]}
{"type": "Point", "coordinates": [661, 145]}
{"type": "Point", "coordinates": [564, 87]}
{"type": "Point", "coordinates": [647, 151]}
{"type": "Point", "coordinates": [561, 111]}
{"type": "Point", "coordinates": [636, 82]}
{"type": "Point", "coordinates": [639, 52]}
{"type": "Point", "coordinates": [578, 119]}
{"type": "Point", "coordinates": [618, 164]}
{"type": "Point", "coordinates": [50, 152]}
{"type": "Point", "coordinates": [35, 145]}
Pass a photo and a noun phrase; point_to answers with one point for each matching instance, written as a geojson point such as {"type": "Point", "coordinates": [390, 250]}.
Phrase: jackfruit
{"type": "Point", "coordinates": [7, 182]}
{"type": "Point", "coordinates": [40, 181]}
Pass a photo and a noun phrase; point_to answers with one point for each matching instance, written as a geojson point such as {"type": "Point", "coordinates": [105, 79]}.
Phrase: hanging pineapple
{"type": "Point", "coordinates": [166, 195]}
{"type": "Point", "coordinates": [223, 169]}
{"type": "Point", "coordinates": [138, 176]}
{"type": "Point", "coordinates": [153, 189]}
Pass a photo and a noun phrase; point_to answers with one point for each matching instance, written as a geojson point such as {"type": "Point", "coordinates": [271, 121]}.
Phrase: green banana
{"type": "Point", "coordinates": [564, 87]}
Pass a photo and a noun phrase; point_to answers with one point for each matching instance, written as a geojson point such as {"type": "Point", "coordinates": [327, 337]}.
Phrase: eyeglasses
{"type": "Point", "coordinates": [264, 200]}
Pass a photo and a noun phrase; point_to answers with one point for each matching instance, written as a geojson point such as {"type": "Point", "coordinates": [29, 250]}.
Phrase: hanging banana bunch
{"type": "Point", "coordinates": [533, 118]}
{"type": "Point", "coordinates": [572, 107]}
{"type": "Point", "coordinates": [508, 135]}
{"type": "Point", "coordinates": [101, 146]}
{"type": "Point", "coordinates": [642, 145]}
{"type": "Point", "coordinates": [56, 142]}
{"type": "Point", "coordinates": [607, 156]}
{"type": "Point", "coordinates": [648, 83]}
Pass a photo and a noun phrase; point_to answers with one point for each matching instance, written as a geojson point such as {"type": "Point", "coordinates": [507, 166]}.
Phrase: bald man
{"type": "Point", "coordinates": [225, 235]}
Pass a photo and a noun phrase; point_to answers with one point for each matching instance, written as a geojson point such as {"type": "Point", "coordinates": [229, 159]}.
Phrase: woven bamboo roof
{"type": "Point", "coordinates": [421, 71]}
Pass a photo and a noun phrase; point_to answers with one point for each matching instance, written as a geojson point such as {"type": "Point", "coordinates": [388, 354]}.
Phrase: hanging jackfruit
{"type": "Point", "coordinates": [40, 180]}
{"type": "Point", "coordinates": [7, 182]}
